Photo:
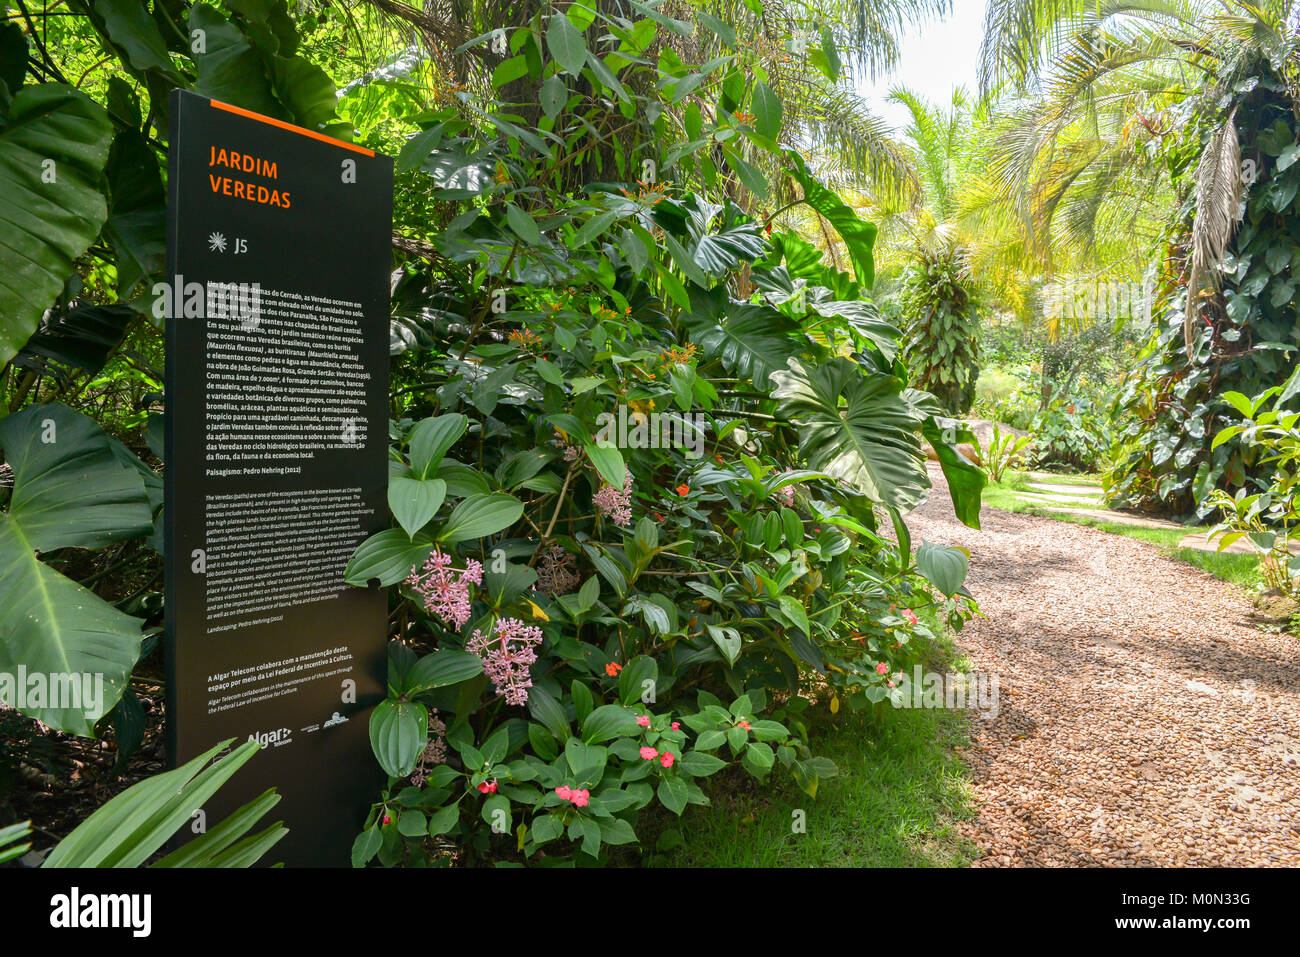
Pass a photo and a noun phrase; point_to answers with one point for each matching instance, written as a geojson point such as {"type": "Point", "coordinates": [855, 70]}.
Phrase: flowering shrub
{"type": "Point", "coordinates": [589, 623]}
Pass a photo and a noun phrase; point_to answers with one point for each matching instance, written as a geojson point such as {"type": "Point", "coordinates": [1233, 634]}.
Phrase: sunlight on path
{"type": "Point", "coordinates": [1143, 720]}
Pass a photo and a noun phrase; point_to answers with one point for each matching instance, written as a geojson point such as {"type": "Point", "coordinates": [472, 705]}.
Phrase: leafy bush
{"type": "Point", "coordinates": [1071, 432]}
{"type": "Point", "coordinates": [1265, 519]}
{"type": "Point", "coordinates": [942, 349]}
{"type": "Point", "coordinates": [598, 610]}
{"type": "Point", "coordinates": [1004, 451]}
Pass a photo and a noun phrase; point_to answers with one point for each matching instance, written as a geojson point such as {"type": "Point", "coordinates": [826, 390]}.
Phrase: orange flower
{"type": "Point", "coordinates": [613, 668]}
{"type": "Point", "coordinates": [683, 489]}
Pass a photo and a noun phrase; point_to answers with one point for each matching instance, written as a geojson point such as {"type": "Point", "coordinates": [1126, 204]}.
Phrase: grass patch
{"type": "Point", "coordinates": [900, 792]}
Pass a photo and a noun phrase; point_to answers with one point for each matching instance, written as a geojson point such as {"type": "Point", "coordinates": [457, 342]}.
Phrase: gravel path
{"type": "Point", "coordinates": [1142, 719]}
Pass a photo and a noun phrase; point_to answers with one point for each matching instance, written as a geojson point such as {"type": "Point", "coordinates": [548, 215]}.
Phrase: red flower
{"type": "Point", "coordinates": [743, 724]}
{"type": "Point", "coordinates": [881, 667]}
{"type": "Point", "coordinates": [387, 820]}
{"type": "Point", "coordinates": [613, 668]}
{"type": "Point", "coordinates": [682, 489]}
{"type": "Point", "coordinates": [666, 759]}
{"type": "Point", "coordinates": [488, 787]}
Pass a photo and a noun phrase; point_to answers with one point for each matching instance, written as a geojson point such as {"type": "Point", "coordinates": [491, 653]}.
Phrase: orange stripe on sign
{"type": "Point", "coordinates": [271, 121]}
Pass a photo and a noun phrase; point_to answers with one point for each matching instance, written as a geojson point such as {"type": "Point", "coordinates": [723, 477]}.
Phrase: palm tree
{"type": "Point", "coordinates": [1105, 83]}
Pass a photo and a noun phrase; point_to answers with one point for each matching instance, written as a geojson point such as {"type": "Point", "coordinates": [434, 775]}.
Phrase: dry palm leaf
{"type": "Point", "coordinates": [1218, 191]}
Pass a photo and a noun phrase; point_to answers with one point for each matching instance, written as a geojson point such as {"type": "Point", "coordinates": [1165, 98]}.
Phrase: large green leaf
{"type": "Point", "coordinates": [856, 427]}
{"type": "Point", "coordinates": [966, 480]}
{"type": "Point", "coordinates": [256, 71]}
{"type": "Point", "coordinates": [859, 235]}
{"type": "Point", "coordinates": [127, 830]}
{"type": "Point", "coordinates": [399, 730]}
{"type": "Point", "coordinates": [481, 515]}
{"type": "Point", "coordinates": [566, 44]}
{"type": "Point", "coordinates": [52, 153]}
{"type": "Point", "coordinates": [137, 225]}
{"type": "Point", "coordinates": [721, 251]}
{"type": "Point", "coordinates": [70, 491]}
{"type": "Point", "coordinates": [415, 501]}
{"type": "Point", "coordinates": [131, 28]}
{"type": "Point", "coordinates": [751, 340]}
{"type": "Point", "coordinates": [387, 556]}
{"type": "Point", "coordinates": [943, 566]}
{"type": "Point", "coordinates": [430, 440]}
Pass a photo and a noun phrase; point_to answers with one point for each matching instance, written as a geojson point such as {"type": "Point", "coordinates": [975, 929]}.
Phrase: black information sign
{"type": "Point", "coordinates": [279, 252]}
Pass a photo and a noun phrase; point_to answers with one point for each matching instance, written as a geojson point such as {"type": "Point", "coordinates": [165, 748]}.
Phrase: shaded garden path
{"type": "Point", "coordinates": [1142, 721]}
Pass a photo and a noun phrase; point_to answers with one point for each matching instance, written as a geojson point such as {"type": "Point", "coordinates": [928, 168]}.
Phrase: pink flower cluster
{"type": "Point", "coordinates": [445, 590]}
{"type": "Point", "coordinates": [614, 503]}
{"type": "Point", "coordinates": [666, 758]}
{"type": "Point", "coordinates": [506, 656]}
{"type": "Point", "coordinates": [577, 797]}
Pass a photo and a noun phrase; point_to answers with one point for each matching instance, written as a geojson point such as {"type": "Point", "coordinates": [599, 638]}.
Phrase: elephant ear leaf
{"type": "Point", "coordinates": [53, 148]}
{"type": "Point", "coordinates": [857, 427]}
{"type": "Point", "coordinates": [752, 341]}
{"type": "Point", "coordinates": [859, 235]}
{"type": "Point", "coordinates": [70, 488]}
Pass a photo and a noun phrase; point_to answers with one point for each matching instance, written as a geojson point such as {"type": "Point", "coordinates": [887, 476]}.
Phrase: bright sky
{"type": "Point", "coordinates": [934, 59]}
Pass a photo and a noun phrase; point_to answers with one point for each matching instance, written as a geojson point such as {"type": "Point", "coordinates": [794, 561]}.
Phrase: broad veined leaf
{"type": "Point", "coordinates": [481, 515]}
{"type": "Point", "coordinates": [137, 225]}
{"type": "Point", "coordinates": [726, 249]}
{"type": "Point", "coordinates": [399, 730]}
{"type": "Point", "coordinates": [388, 556]}
{"type": "Point", "coordinates": [447, 666]}
{"type": "Point", "coordinates": [966, 480]}
{"type": "Point", "coordinates": [566, 44]}
{"type": "Point", "coordinates": [131, 27]}
{"type": "Point", "coordinates": [943, 566]}
{"type": "Point", "coordinates": [856, 427]}
{"type": "Point", "coordinates": [69, 489]}
{"type": "Point", "coordinates": [767, 111]}
{"type": "Point", "coordinates": [859, 235]}
{"type": "Point", "coordinates": [53, 149]}
{"type": "Point", "coordinates": [430, 440]}
{"type": "Point", "coordinates": [750, 340]}
{"type": "Point", "coordinates": [415, 501]}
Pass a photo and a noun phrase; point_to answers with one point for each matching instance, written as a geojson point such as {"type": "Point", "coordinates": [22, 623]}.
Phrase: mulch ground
{"type": "Point", "coordinates": [1145, 718]}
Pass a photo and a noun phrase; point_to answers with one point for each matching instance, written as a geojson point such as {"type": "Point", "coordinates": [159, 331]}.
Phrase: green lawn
{"type": "Point", "coordinates": [900, 791]}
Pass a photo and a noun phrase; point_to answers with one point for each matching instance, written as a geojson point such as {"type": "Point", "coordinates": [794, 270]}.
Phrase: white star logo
{"type": "Point", "coordinates": [216, 242]}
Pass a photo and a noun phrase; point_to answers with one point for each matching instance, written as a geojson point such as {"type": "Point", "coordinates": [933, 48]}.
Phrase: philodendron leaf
{"type": "Point", "coordinates": [943, 566]}
{"type": "Point", "coordinates": [52, 154]}
{"type": "Point", "coordinates": [859, 235]}
{"type": "Point", "coordinates": [855, 425]}
{"type": "Point", "coordinates": [70, 489]}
